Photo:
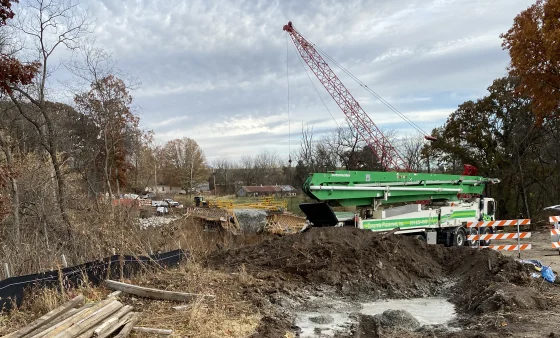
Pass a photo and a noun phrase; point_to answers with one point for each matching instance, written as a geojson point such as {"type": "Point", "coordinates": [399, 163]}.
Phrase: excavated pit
{"type": "Point", "coordinates": [329, 317]}
{"type": "Point", "coordinates": [362, 267]}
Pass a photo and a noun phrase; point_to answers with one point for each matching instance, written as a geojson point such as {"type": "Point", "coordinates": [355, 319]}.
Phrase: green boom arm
{"type": "Point", "coordinates": [364, 188]}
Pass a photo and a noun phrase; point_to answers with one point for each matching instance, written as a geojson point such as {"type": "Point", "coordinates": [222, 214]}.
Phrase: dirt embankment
{"type": "Point", "coordinates": [363, 264]}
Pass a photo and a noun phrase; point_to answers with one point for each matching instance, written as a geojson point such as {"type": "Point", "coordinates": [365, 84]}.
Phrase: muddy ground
{"type": "Point", "coordinates": [493, 294]}
{"type": "Point", "coordinates": [263, 283]}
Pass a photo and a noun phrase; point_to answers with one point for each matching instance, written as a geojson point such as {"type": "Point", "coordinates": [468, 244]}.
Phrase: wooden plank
{"type": "Point", "coordinates": [7, 270]}
{"type": "Point", "coordinates": [112, 321]}
{"type": "Point", "coordinates": [87, 323]}
{"type": "Point", "coordinates": [114, 294]}
{"type": "Point", "coordinates": [153, 293]}
{"type": "Point", "coordinates": [123, 311]}
{"type": "Point", "coordinates": [85, 312]}
{"type": "Point", "coordinates": [181, 307]}
{"type": "Point", "coordinates": [97, 331]}
{"type": "Point", "coordinates": [49, 317]}
{"type": "Point", "coordinates": [122, 322]}
{"type": "Point", "coordinates": [134, 318]}
{"type": "Point", "coordinates": [152, 330]}
{"type": "Point", "coordinates": [68, 314]}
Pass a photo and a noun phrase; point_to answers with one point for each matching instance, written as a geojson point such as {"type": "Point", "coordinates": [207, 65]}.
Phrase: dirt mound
{"type": "Point", "coordinates": [505, 296]}
{"type": "Point", "coordinates": [391, 323]}
{"type": "Point", "coordinates": [359, 262]}
{"type": "Point", "coordinates": [351, 259]}
{"type": "Point", "coordinates": [397, 319]}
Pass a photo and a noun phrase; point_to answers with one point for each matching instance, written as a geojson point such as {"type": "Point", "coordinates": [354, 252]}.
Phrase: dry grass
{"type": "Point", "coordinates": [96, 233]}
{"type": "Point", "coordinates": [232, 313]}
{"type": "Point", "coordinates": [229, 314]}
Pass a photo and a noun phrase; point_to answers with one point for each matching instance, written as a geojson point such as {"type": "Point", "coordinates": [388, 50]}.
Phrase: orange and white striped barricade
{"type": "Point", "coordinates": [555, 232]}
{"type": "Point", "coordinates": [512, 235]}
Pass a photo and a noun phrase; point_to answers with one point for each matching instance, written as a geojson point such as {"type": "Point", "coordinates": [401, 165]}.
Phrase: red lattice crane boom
{"type": "Point", "coordinates": [387, 155]}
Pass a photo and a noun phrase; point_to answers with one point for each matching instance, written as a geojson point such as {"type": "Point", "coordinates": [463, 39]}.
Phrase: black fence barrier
{"type": "Point", "coordinates": [116, 266]}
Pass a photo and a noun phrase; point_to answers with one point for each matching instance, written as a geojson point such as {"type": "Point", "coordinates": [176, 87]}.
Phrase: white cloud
{"type": "Point", "coordinates": [168, 122]}
{"type": "Point", "coordinates": [216, 70]}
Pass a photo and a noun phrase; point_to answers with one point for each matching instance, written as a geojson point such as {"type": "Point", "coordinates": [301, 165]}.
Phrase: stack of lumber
{"type": "Point", "coordinates": [75, 318]}
{"type": "Point", "coordinates": [106, 318]}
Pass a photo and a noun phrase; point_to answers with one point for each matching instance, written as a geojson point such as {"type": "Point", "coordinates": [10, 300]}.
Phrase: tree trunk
{"type": "Point", "coordinates": [523, 190]}
{"type": "Point", "coordinates": [106, 166]}
{"type": "Point", "coordinates": [15, 190]}
{"type": "Point", "coordinates": [117, 182]}
{"type": "Point", "coordinates": [50, 144]}
{"type": "Point", "coordinates": [190, 180]}
{"type": "Point", "coordinates": [61, 191]}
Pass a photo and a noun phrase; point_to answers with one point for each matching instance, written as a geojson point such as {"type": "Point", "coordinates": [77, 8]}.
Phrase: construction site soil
{"type": "Point", "coordinates": [337, 282]}
{"type": "Point", "coordinates": [494, 295]}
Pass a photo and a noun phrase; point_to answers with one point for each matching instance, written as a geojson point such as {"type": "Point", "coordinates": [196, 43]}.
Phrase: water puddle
{"type": "Point", "coordinates": [428, 311]}
{"type": "Point", "coordinates": [325, 316]}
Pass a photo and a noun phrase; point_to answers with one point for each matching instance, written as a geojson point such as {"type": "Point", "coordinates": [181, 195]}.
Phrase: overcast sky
{"type": "Point", "coordinates": [216, 71]}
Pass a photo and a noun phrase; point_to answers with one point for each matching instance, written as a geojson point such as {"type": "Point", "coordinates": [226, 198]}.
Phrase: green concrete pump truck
{"type": "Point", "coordinates": [435, 207]}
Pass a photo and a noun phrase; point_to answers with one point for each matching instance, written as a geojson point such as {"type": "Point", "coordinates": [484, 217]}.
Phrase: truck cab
{"type": "Point", "coordinates": [488, 210]}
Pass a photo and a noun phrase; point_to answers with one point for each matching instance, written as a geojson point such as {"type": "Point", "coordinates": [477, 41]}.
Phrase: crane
{"type": "Point", "coordinates": [433, 206]}
{"type": "Point", "coordinates": [386, 153]}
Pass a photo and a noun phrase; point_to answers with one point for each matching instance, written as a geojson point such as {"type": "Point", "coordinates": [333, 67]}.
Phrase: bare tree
{"type": "Point", "coordinates": [50, 25]}
{"type": "Point", "coordinates": [267, 168]}
{"type": "Point", "coordinates": [306, 152]}
{"type": "Point", "coordinates": [346, 144]}
{"type": "Point", "coordinates": [183, 163]}
{"type": "Point", "coordinates": [247, 166]}
{"type": "Point", "coordinates": [222, 171]}
{"type": "Point", "coordinates": [412, 152]}
{"type": "Point", "coordinates": [107, 103]}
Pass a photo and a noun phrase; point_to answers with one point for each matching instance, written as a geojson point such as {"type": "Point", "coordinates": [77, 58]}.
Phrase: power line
{"type": "Point", "coordinates": [317, 92]}
{"type": "Point", "coordinates": [371, 91]}
{"type": "Point", "coordinates": [289, 121]}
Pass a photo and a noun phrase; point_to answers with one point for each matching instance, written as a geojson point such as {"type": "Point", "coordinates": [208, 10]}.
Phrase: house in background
{"type": "Point", "coordinates": [266, 190]}
{"type": "Point", "coordinates": [202, 187]}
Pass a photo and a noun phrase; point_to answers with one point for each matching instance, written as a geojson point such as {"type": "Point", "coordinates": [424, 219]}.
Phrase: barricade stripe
{"type": "Point", "coordinates": [553, 219]}
{"type": "Point", "coordinates": [500, 223]}
{"type": "Point", "coordinates": [554, 232]}
{"type": "Point", "coordinates": [488, 237]}
{"type": "Point", "coordinates": [556, 244]}
{"type": "Point", "coordinates": [508, 247]}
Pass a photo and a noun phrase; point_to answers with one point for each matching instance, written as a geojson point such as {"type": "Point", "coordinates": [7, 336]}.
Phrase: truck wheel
{"type": "Point", "coordinates": [460, 237]}
{"type": "Point", "coordinates": [486, 231]}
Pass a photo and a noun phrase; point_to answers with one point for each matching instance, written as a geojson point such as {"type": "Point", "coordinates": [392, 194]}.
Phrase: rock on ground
{"type": "Point", "coordinates": [398, 319]}
{"type": "Point", "coordinates": [250, 220]}
{"type": "Point", "coordinates": [322, 319]}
